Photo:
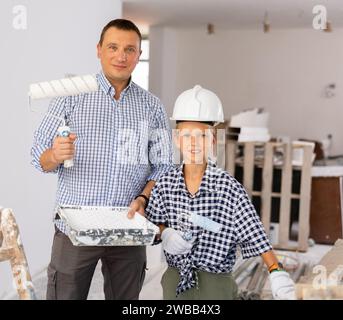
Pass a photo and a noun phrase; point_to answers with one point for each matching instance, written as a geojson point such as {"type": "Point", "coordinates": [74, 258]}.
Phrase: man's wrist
{"type": "Point", "coordinates": [146, 199]}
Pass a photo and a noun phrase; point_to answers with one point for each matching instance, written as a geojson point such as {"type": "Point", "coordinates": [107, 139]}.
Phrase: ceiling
{"type": "Point", "coordinates": [234, 14]}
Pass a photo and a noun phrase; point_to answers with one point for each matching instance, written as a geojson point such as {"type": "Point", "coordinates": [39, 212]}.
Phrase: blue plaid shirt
{"type": "Point", "coordinates": [220, 198]}
{"type": "Point", "coordinates": [121, 144]}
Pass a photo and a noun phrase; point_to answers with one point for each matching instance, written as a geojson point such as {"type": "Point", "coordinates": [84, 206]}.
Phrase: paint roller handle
{"type": "Point", "coordinates": [64, 131]}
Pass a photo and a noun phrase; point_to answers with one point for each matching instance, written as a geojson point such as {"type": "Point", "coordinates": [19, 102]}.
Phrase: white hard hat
{"type": "Point", "coordinates": [198, 104]}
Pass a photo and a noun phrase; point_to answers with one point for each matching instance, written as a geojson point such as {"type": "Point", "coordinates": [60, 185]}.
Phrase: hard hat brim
{"type": "Point", "coordinates": [197, 120]}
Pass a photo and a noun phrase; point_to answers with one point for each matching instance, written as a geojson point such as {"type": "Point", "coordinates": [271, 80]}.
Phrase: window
{"type": "Point", "coordinates": [141, 73]}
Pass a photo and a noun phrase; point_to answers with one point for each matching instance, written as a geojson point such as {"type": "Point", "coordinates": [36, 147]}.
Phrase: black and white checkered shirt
{"type": "Point", "coordinates": [222, 199]}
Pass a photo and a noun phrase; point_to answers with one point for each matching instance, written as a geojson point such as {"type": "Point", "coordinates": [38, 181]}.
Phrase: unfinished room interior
{"type": "Point", "coordinates": [276, 70]}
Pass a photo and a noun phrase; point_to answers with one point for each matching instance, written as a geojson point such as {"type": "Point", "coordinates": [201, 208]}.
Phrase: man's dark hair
{"type": "Point", "coordinates": [121, 24]}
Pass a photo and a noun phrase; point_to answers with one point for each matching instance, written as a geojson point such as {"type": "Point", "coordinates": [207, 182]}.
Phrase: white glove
{"type": "Point", "coordinates": [282, 286]}
{"type": "Point", "coordinates": [173, 243]}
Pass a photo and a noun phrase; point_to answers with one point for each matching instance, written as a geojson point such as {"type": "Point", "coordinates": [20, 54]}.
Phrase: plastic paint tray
{"type": "Point", "coordinates": [106, 226]}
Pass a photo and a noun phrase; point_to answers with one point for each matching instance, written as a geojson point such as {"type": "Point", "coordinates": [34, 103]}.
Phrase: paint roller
{"type": "Point", "coordinates": [70, 86]}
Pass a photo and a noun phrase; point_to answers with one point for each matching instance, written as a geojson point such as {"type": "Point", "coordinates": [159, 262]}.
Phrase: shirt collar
{"type": "Point", "coordinates": [208, 183]}
{"type": "Point", "coordinates": [106, 86]}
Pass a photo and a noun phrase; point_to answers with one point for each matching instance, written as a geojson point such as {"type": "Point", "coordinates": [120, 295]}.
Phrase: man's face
{"type": "Point", "coordinates": [119, 54]}
{"type": "Point", "coordinates": [195, 141]}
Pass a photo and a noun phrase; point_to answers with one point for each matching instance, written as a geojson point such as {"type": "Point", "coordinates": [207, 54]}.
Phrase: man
{"type": "Point", "coordinates": [120, 144]}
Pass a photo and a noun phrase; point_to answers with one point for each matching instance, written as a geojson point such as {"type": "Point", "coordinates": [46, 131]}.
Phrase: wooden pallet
{"type": "Point", "coordinates": [266, 194]}
{"type": "Point", "coordinates": [12, 250]}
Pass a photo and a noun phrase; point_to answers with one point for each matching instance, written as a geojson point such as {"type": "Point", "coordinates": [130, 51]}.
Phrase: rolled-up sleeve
{"type": "Point", "coordinates": [249, 230]}
{"type": "Point", "coordinates": [160, 144]}
{"type": "Point", "coordinates": [155, 211]}
{"type": "Point", "coordinates": [47, 131]}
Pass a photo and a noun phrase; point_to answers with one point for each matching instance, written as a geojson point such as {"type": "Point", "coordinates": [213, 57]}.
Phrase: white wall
{"type": "Point", "coordinates": [60, 38]}
{"type": "Point", "coordinates": [284, 71]}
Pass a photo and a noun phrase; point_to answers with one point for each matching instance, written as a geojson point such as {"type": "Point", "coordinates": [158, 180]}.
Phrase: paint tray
{"type": "Point", "coordinates": [106, 226]}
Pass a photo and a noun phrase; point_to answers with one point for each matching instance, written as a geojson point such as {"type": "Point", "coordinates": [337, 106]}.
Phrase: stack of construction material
{"type": "Point", "coordinates": [252, 276]}
{"type": "Point", "coordinates": [251, 125]}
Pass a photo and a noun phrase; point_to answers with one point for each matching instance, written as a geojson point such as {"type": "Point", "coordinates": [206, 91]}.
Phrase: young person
{"type": "Point", "coordinates": [204, 213]}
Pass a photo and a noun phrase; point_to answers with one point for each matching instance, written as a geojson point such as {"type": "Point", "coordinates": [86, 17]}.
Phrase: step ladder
{"type": "Point", "coordinates": [12, 250]}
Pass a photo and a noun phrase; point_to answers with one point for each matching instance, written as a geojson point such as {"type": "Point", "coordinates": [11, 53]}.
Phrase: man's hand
{"type": "Point", "coordinates": [63, 149]}
{"type": "Point", "coordinates": [136, 205]}
{"type": "Point", "coordinates": [282, 286]}
{"type": "Point", "coordinates": [139, 204]}
{"type": "Point", "coordinates": [173, 243]}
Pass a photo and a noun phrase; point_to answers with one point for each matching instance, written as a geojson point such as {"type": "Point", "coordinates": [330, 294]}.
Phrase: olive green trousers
{"type": "Point", "coordinates": [211, 286]}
